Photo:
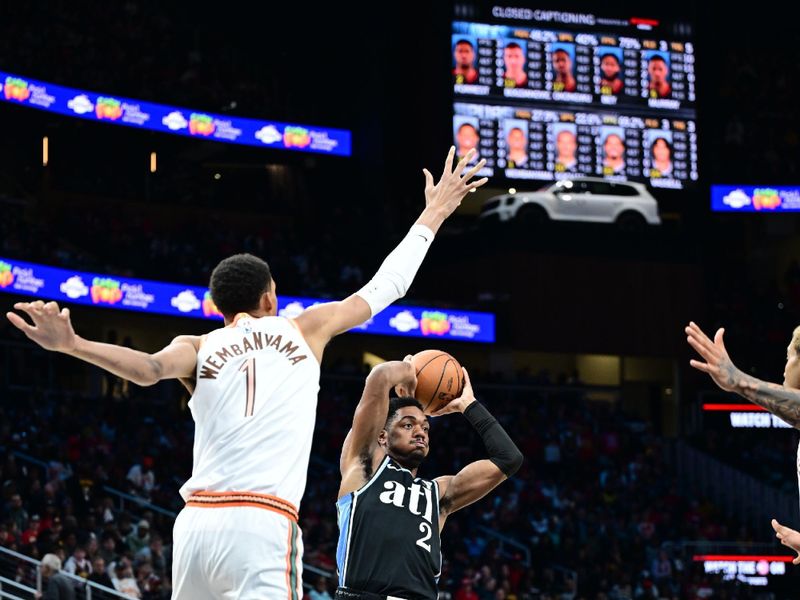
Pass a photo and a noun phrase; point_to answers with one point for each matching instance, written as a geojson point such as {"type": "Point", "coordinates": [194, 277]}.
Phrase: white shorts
{"type": "Point", "coordinates": [235, 546]}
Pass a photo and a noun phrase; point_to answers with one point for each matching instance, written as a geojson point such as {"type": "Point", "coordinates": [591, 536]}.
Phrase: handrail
{"type": "Point", "coordinates": [140, 501]}
{"type": "Point", "coordinates": [87, 585]}
{"type": "Point", "coordinates": [504, 539]}
{"type": "Point", "coordinates": [4, 581]}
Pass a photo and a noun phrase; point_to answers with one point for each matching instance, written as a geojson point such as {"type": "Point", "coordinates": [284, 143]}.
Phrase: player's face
{"type": "Point", "coordinates": [407, 438]}
{"type": "Point", "coordinates": [610, 67]}
{"type": "Point", "coordinates": [661, 151]}
{"type": "Point", "coordinates": [464, 55]}
{"type": "Point", "coordinates": [514, 59]}
{"type": "Point", "coordinates": [658, 71]}
{"type": "Point", "coordinates": [566, 144]}
{"type": "Point", "coordinates": [562, 63]}
{"type": "Point", "coordinates": [467, 139]}
{"type": "Point", "coordinates": [516, 140]}
{"type": "Point", "coordinates": [791, 372]}
{"type": "Point", "coordinates": [614, 147]}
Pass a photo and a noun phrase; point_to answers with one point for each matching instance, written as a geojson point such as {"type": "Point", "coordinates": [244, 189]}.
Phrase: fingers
{"type": "Point", "coordinates": [51, 308]}
{"type": "Point", "coordinates": [701, 348]}
{"type": "Point", "coordinates": [466, 377]}
{"type": "Point", "coordinates": [477, 184]}
{"type": "Point", "coordinates": [700, 366]}
{"type": "Point", "coordinates": [478, 166]}
{"type": "Point", "coordinates": [19, 322]}
{"type": "Point", "coordinates": [448, 162]}
{"type": "Point", "coordinates": [462, 164]}
{"type": "Point", "coordinates": [428, 179]}
{"type": "Point", "coordinates": [407, 358]}
{"type": "Point", "coordinates": [64, 314]}
{"type": "Point", "coordinates": [796, 561]}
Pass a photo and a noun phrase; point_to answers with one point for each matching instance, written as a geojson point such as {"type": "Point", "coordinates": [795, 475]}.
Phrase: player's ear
{"type": "Point", "coordinates": [269, 303]}
{"type": "Point", "coordinates": [383, 438]}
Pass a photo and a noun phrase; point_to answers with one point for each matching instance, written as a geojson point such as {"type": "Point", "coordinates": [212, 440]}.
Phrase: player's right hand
{"type": "Point", "coordinates": [717, 362]}
{"type": "Point", "coordinates": [446, 195]}
{"type": "Point", "coordinates": [51, 329]}
{"type": "Point", "coordinates": [788, 537]}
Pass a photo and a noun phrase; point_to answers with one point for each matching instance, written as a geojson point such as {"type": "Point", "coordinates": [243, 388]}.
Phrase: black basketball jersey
{"type": "Point", "coordinates": [389, 535]}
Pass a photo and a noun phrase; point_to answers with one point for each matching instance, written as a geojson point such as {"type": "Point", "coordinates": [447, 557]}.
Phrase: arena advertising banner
{"type": "Point", "coordinates": [106, 108]}
{"type": "Point", "coordinates": [755, 199]}
{"type": "Point", "coordinates": [141, 295]}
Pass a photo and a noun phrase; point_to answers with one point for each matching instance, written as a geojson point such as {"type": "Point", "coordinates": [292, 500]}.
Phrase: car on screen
{"type": "Point", "coordinates": [587, 199]}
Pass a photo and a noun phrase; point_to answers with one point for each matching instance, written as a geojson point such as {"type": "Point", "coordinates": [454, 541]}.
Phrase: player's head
{"type": "Point", "coordinates": [405, 434]}
{"type": "Point", "coordinates": [566, 144]}
{"type": "Point", "coordinates": [661, 149]}
{"type": "Point", "coordinates": [464, 53]}
{"type": "Point", "coordinates": [613, 146]}
{"type": "Point", "coordinates": [513, 57]}
{"type": "Point", "coordinates": [791, 372]}
{"type": "Point", "coordinates": [657, 69]}
{"type": "Point", "coordinates": [243, 283]}
{"type": "Point", "coordinates": [467, 138]}
{"type": "Point", "coordinates": [609, 65]}
{"type": "Point", "coordinates": [516, 140]}
{"type": "Point", "coordinates": [562, 63]}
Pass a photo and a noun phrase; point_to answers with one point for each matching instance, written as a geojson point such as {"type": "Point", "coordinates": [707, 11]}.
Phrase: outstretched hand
{"type": "Point", "coordinates": [51, 329]}
{"type": "Point", "coordinates": [461, 403]}
{"type": "Point", "coordinates": [447, 193]}
{"type": "Point", "coordinates": [717, 362]}
{"type": "Point", "coordinates": [788, 537]}
{"type": "Point", "coordinates": [408, 385]}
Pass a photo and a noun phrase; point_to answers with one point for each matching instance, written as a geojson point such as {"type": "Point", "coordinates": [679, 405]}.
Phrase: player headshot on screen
{"type": "Point", "coordinates": [610, 81]}
{"type": "Point", "coordinates": [566, 146]}
{"type": "Point", "coordinates": [562, 65]}
{"type": "Point", "coordinates": [464, 54]}
{"type": "Point", "coordinates": [514, 58]}
{"type": "Point", "coordinates": [517, 148]}
{"type": "Point", "coordinates": [614, 154]}
{"type": "Point", "coordinates": [661, 154]}
{"type": "Point", "coordinates": [467, 139]}
{"type": "Point", "coordinates": [658, 71]}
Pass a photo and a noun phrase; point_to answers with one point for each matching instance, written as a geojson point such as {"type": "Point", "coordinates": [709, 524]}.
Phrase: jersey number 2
{"type": "Point", "coordinates": [249, 367]}
{"type": "Point", "coordinates": [426, 529]}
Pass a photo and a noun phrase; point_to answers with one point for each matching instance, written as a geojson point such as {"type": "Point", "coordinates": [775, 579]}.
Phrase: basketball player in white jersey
{"type": "Point", "coordinates": [255, 392]}
{"type": "Point", "coordinates": [781, 400]}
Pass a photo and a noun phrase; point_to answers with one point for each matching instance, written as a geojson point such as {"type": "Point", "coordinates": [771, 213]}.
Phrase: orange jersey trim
{"type": "Point", "coordinates": [252, 499]}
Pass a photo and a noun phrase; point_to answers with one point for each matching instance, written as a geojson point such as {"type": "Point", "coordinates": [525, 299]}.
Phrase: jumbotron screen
{"type": "Point", "coordinates": [548, 94]}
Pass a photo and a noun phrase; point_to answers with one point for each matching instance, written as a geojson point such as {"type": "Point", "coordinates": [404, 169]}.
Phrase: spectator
{"type": "Point", "coordinates": [78, 564]}
{"type": "Point", "coordinates": [136, 540]}
{"type": "Point", "coordinates": [58, 587]}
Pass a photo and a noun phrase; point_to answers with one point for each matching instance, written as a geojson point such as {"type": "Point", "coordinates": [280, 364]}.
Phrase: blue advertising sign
{"type": "Point", "coordinates": [106, 108]}
{"type": "Point", "coordinates": [749, 198]}
{"type": "Point", "coordinates": [173, 299]}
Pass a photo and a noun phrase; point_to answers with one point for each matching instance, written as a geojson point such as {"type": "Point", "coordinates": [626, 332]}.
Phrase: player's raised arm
{"type": "Point", "coordinates": [477, 479]}
{"type": "Point", "coordinates": [780, 400]}
{"type": "Point", "coordinates": [52, 330]}
{"type": "Point", "coordinates": [392, 280]}
{"type": "Point", "coordinates": [370, 418]}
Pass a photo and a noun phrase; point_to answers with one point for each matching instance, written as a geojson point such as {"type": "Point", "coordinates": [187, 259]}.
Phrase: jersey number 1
{"type": "Point", "coordinates": [249, 367]}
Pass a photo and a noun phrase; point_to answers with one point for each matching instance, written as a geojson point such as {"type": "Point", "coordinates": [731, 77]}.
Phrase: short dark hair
{"type": "Point", "coordinates": [609, 55]}
{"type": "Point", "coordinates": [238, 282]}
{"type": "Point", "coordinates": [657, 57]}
{"type": "Point", "coordinates": [396, 404]}
{"type": "Point", "coordinates": [465, 124]}
{"type": "Point", "coordinates": [463, 41]}
{"type": "Point", "coordinates": [513, 45]}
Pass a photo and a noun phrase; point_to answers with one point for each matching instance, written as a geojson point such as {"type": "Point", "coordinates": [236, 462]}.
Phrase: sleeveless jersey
{"type": "Point", "coordinates": [389, 535]}
{"type": "Point", "coordinates": [254, 408]}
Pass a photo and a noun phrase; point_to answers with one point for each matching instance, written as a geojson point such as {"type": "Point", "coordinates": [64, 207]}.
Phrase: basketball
{"type": "Point", "coordinates": [440, 379]}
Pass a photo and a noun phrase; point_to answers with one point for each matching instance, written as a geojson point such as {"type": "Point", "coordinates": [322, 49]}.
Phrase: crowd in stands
{"type": "Point", "coordinates": [591, 514]}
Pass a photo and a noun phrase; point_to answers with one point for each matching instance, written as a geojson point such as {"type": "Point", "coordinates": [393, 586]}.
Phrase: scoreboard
{"type": "Point", "coordinates": [546, 95]}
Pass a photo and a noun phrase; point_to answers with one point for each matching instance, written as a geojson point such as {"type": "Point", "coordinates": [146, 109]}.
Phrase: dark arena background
{"type": "Point", "coordinates": [143, 142]}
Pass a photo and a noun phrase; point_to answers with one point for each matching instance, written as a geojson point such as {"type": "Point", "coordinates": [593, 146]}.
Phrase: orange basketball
{"type": "Point", "coordinates": [440, 379]}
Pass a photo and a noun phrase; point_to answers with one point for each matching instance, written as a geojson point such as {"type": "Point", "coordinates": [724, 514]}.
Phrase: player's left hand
{"type": "Point", "coordinates": [788, 537]}
{"type": "Point", "coordinates": [406, 388]}
{"type": "Point", "coordinates": [51, 328]}
{"type": "Point", "coordinates": [461, 403]}
{"type": "Point", "coordinates": [718, 364]}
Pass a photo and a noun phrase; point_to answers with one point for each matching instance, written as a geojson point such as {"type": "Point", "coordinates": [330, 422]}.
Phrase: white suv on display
{"type": "Point", "coordinates": [587, 199]}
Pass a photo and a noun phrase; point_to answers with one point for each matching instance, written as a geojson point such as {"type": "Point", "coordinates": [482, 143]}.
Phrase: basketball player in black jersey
{"type": "Point", "coordinates": [390, 519]}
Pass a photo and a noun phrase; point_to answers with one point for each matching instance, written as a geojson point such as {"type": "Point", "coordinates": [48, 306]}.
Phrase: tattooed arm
{"type": "Point", "coordinates": [781, 401]}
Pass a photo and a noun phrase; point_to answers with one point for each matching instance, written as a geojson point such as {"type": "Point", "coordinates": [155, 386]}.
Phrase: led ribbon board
{"type": "Point", "coordinates": [107, 108]}
{"type": "Point", "coordinates": [141, 295]}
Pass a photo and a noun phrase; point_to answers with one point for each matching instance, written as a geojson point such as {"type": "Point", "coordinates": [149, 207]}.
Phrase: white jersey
{"type": "Point", "coordinates": [254, 408]}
